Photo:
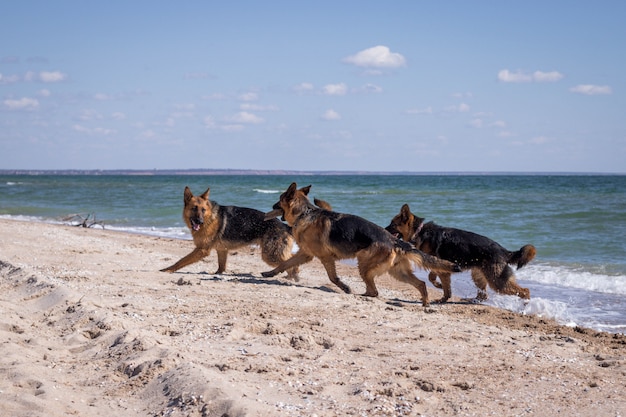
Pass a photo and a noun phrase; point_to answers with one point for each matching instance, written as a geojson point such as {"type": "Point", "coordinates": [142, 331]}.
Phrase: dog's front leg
{"type": "Point", "coordinates": [195, 255]}
{"type": "Point", "coordinates": [222, 255]}
{"type": "Point", "coordinates": [296, 260]}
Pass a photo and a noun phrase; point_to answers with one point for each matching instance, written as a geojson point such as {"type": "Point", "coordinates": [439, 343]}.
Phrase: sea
{"type": "Point", "coordinates": [576, 222]}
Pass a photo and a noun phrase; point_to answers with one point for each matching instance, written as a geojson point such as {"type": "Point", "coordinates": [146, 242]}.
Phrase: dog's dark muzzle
{"type": "Point", "coordinates": [196, 223]}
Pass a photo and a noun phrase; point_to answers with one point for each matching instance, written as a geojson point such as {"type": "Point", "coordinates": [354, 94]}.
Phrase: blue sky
{"type": "Point", "coordinates": [371, 86]}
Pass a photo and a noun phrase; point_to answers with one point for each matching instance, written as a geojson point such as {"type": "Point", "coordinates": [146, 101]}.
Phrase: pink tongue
{"type": "Point", "coordinates": [196, 227]}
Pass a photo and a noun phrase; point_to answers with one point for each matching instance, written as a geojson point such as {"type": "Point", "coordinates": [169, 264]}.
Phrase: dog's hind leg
{"type": "Point", "coordinates": [331, 270]}
{"type": "Point", "coordinates": [432, 277]}
{"type": "Point", "coordinates": [403, 271]}
{"type": "Point", "coordinates": [296, 260]}
{"type": "Point", "coordinates": [446, 285]}
{"type": "Point", "coordinates": [507, 285]}
{"type": "Point", "coordinates": [276, 249]}
{"type": "Point", "coordinates": [478, 276]}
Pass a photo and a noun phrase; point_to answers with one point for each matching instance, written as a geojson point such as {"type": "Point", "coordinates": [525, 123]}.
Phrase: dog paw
{"type": "Point", "coordinates": [268, 274]}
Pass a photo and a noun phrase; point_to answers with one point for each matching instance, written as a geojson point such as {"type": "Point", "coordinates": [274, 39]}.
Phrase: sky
{"type": "Point", "coordinates": [394, 86]}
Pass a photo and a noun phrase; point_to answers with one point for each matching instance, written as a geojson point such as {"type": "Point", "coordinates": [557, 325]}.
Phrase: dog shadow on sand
{"type": "Point", "coordinates": [252, 279]}
{"type": "Point", "coordinates": [244, 279]}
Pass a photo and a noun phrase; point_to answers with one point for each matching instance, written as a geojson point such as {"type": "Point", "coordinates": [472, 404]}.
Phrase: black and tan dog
{"type": "Point", "coordinates": [331, 236]}
{"type": "Point", "coordinates": [224, 228]}
{"type": "Point", "coordinates": [488, 260]}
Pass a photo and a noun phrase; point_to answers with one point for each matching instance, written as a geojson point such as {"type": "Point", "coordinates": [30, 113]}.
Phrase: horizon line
{"type": "Point", "coordinates": [237, 171]}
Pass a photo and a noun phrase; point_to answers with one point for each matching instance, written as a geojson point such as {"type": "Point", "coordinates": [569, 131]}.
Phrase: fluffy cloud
{"type": "Point", "coordinates": [331, 114]}
{"type": "Point", "coordinates": [247, 118]}
{"type": "Point", "coordinates": [335, 89]}
{"type": "Point", "coordinates": [51, 77]}
{"type": "Point", "coordinates": [376, 57]}
{"type": "Point", "coordinates": [257, 107]}
{"type": "Point", "coordinates": [547, 77]}
{"type": "Point", "coordinates": [507, 76]}
{"type": "Point", "coordinates": [24, 103]}
{"type": "Point", "coordinates": [591, 90]}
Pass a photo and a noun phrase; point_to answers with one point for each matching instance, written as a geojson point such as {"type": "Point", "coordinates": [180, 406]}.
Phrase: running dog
{"type": "Point", "coordinates": [488, 260]}
{"type": "Point", "coordinates": [224, 228]}
{"type": "Point", "coordinates": [331, 236]}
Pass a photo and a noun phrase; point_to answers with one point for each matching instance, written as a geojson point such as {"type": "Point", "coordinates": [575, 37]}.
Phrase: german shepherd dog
{"type": "Point", "coordinates": [224, 228]}
{"type": "Point", "coordinates": [487, 259]}
{"type": "Point", "coordinates": [331, 236]}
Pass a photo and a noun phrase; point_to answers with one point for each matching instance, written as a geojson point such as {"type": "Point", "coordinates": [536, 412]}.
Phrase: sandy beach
{"type": "Point", "coordinates": [90, 327]}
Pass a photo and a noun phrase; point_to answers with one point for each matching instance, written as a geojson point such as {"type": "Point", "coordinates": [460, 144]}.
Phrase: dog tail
{"type": "Point", "coordinates": [424, 260]}
{"type": "Point", "coordinates": [523, 256]}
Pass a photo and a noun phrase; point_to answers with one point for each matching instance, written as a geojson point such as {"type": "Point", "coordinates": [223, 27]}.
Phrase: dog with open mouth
{"type": "Point", "coordinates": [225, 228]}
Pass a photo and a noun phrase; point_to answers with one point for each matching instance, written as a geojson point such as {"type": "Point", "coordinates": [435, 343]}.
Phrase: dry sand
{"type": "Point", "coordinates": [89, 327]}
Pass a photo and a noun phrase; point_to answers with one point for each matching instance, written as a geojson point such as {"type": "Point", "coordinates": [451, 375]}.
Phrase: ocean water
{"type": "Point", "coordinates": [576, 222]}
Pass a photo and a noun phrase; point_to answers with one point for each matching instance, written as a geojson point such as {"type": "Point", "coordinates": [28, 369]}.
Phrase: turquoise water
{"type": "Point", "coordinates": [577, 222]}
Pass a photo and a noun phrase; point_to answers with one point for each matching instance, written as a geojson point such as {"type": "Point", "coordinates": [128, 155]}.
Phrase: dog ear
{"type": "Point", "coordinates": [405, 212]}
{"type": "Point", "coordinates": [205, 195]}
{"type": "Point", "coordinates": [290, 191]}
{"type": "Point", "coordinates": [188, 195]}
{"type": "Point", "coordinates": [306, 189]}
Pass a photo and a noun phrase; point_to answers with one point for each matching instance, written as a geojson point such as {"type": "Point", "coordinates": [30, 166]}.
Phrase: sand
{"type": "Point", "coordinates": [90, 327]}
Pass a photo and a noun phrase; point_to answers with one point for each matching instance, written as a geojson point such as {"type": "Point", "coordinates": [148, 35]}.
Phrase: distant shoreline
{"type": "Point", "coordinates": [202, 171]}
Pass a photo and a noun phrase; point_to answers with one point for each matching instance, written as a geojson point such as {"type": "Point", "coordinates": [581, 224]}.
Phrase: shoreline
{"type": "Point", "coordinates": [90, 327]}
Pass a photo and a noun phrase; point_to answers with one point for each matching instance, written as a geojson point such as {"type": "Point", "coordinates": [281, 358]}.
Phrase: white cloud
{"type": "Point", "coordinates": [80, 128]}
{"type": "Point", "coordinates": [89, 114]}
{"type": "Point", "coordinates": [369, 88]}
{"type": "Point", "coordinates": [231, 128]}
{"type": "Point", "coordinates": [507, 76]}
{"type": "Point", "coordinates": [461, 108]}
{"type": "Point", "coordinates": [215, 96]}
{"type": "Point", "coordinates": [44, 93]}
{"type": "Point", "coordinates": [591, 90]}
{"type": "Point", "coordinates": [303, 87]}
{"type": "Point", "coordinates": [376, 57]}
{"type": "Point", "coordinates": [331, 114]}
{"type": "Point", "coordinates": [247, 118]}
{"type": "Point", "coordinates": [95, 131]}
{"type": "Point", "coordinates": [51, 77]}
{"type": "Point", "coordinates": [539, 140]}
{"type": "Point", "coordinates": [8, 79]}
{"type": "Point", "coordinates": [118, 115]}
{"type": "Point", "coordinates": [257, 107]}
{"type": "Point", "coordinates": [335, 89]}
{"type": "Point", "coordinates": [547, 77]}
{"type": "Point", "coordinates": [25, 103]}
